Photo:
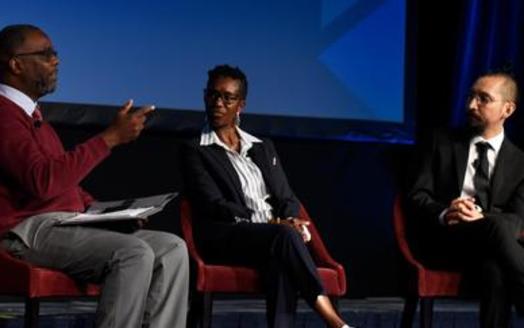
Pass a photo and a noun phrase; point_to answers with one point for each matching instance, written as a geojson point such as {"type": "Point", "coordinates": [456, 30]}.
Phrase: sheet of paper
{"type": "Point", "coordinates": [132, 213]}
{"type": "Point", "coordinates": [111, 206]}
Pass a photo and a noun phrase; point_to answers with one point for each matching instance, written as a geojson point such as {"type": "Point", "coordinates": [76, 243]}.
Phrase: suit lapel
{"type": "Point", "coordinates": [219, 156]}
{"type": "Point", "coordinates": [259, 157]}
{"type": "Point", "coordinates": [503, 168]}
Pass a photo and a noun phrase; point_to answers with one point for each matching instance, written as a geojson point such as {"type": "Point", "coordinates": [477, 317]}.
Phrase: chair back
{"type": "Point", "coordinates": [186, 222]}
{"type": "Point", "coordinates": [426, 282]}
{"type": "Point", "coordinates": [399, 227]}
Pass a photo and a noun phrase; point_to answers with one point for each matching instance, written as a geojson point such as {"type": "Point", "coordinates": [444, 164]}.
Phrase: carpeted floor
{"type": "Point", "coordinates": [363, 313]}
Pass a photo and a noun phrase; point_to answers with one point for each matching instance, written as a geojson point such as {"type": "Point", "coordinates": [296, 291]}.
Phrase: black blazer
{"type": "Point", "coordinates": [214, 187]}
{"type": "Point", "coordinates": [441, 176]}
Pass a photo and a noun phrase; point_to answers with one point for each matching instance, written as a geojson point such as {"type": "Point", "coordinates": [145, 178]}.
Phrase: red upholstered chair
{"type": "Point", "coordinates": [424, 284]}
{"type": "Point", "coordinates": [21, 279]}
{"type": "Point", "coordinates": [211, 279]}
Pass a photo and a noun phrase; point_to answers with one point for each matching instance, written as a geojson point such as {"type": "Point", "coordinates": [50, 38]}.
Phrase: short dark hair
{"type": "Point", "coordinates": [234, 73]}
{"type": "Point", "coordinates": [11, 38]}
{"type": "Point", "coordinates": [512, 88]}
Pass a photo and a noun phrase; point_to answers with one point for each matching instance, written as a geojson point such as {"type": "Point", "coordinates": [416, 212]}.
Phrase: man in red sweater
{"type": "Point", "coordinates": [39, 185]}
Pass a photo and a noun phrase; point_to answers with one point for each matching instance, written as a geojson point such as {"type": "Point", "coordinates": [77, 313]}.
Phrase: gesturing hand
{"type": "Point", "coordinates": [126, 125]}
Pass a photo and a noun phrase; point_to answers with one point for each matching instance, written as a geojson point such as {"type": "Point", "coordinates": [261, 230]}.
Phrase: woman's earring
{"type": "Point", "coordinates": [237, 119]}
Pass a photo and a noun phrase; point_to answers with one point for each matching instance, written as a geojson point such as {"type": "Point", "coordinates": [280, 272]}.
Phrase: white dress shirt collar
{"type": "Point", "coordinates": [209, 137]}
{"type": "Point", "coordinates": [19, 98]}
{"type": "Point", "coordinates": [495, 142]}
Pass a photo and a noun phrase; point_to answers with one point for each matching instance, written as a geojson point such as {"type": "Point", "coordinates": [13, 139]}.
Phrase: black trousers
{"type": "Point", "coordinates": [491, 255]}
{"type": "Point", "coordinates": [277, 252]}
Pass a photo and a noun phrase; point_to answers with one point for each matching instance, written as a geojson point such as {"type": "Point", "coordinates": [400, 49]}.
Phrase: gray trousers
{"type": "Point", "coordinates": [144, 275]}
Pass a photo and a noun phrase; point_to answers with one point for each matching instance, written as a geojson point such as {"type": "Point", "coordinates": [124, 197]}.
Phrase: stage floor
{"type": "Point", "coordinates": [368, 313]}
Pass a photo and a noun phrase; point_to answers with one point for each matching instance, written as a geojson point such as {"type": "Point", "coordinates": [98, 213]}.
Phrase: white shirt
{"type": "Point", "coordinates": [251, 179]}
{"type": "Point", "coordinates": [19, 98]}
{"type": "Point", "coordinates": [468, 188]}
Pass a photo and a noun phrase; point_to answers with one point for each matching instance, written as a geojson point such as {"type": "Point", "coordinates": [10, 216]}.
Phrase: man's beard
{"type": "Point", "coordinates": [45, 86]}
{"type": "Point", "coordinates": [475, 125]}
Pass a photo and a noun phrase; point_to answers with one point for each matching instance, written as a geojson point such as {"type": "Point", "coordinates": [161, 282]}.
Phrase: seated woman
{"type": "Point", "coordinates": [237, 187]}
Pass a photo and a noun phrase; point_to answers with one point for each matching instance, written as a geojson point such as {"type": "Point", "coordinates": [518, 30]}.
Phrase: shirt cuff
{"type": "Point", "coordinates": [241, 220]}
{"type": "Point", "coordinates": [441, 217]}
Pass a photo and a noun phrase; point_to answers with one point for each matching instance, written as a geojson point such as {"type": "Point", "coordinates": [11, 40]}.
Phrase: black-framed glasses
{"type": "Point", "coordinates": [47, 54]}
{"type": "Point", "coordinates": [227, 97]}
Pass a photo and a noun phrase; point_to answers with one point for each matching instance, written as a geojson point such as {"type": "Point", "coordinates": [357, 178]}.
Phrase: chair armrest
{"type": "Point", "coordinates": [316, 245]}
{"type": "Point", "coordinates": [320, 253]}
{"type": "Point", "coordinates": [319, 250]}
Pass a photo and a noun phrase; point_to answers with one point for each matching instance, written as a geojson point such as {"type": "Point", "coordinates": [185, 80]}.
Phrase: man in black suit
{"type": "Point", "coordinates": [237, 186]}
{"type": "Point", "coordinates": [469, 195]}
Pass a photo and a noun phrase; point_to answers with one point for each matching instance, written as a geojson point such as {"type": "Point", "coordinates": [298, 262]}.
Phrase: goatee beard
{"type": "Point", "coordinates": [45, 87]}
{"type": "Point", "coordinates": [475, 127]}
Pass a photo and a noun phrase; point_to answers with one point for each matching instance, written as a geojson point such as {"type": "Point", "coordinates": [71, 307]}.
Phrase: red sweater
{"type": "Point", "coordinates": [36, 174]}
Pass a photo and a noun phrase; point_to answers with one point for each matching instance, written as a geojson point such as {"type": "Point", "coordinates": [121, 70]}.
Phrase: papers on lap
{"type": "Point", "coordinates": [127, 209]}
{"type": "Point", "coordinates": [85, 218]}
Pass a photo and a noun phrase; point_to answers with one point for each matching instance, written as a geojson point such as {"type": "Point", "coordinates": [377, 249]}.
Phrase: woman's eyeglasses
{"type": "Point", "coordinates": [227, 98]}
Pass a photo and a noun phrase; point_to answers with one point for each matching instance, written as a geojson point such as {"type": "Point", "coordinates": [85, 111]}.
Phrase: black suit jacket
{"type": "Point", "coordinates": [441, 176]}
{"type": "Point", "coordinates": [214, 187]}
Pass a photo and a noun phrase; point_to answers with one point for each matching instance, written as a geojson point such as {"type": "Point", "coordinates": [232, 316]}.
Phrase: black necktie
{"type": "Point", "coordinates": [481, 177]}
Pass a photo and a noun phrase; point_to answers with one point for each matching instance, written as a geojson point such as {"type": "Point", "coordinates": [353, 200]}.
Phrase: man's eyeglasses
{"type": "Point", "coordinates": [482, 98]}
{"type": "Point", "coordinates": [227, 98]}
{"type": "Point", "coordinates": [47, 54]}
